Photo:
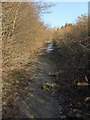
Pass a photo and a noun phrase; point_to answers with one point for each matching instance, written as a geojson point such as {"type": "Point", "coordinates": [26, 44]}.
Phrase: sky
{"type": "Point", "coordinates": [65, 12]}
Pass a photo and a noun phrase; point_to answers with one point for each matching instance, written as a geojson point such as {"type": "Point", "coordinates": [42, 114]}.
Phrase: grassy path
{"type": "Point", "coordinates": [40, 103]}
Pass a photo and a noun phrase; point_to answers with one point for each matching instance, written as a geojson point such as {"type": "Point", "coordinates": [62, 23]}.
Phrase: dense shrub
{"type": "Point", "coordinates": [72, 47]}
{"type": "Point", "coordinates": [22, 32]}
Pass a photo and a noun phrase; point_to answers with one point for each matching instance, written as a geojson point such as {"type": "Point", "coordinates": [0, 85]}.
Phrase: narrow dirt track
{"type": "Point", "coordinates": [40, 103]}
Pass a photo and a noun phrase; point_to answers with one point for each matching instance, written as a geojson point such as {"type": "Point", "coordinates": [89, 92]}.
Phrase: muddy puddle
{"type": "Point", "coordinates": [49, 47]}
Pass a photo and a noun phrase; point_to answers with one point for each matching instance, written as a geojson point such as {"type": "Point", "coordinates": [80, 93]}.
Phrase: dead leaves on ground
{"type": "Point", "coordinates": [13, 86]}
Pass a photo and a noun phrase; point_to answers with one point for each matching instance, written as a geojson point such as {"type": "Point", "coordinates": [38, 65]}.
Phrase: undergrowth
{"type": "Point", "coordinates": [71, 57]}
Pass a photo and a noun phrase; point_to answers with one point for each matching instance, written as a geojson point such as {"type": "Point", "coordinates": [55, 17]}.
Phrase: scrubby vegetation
{"type": "Point", "coordinates": [23, 34]}
{"type": "Point", "coordinates": [71, 55]}
{"type": "Point", "coordinates": [73, 45]}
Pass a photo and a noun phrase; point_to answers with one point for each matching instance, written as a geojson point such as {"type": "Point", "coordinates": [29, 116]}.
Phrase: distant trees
{"type": "Point", "coordinates": [73, 32]}
{"type": "Point", "coordinates": [66, 25]}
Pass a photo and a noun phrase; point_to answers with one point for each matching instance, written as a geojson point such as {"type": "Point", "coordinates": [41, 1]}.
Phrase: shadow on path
{"type": "Point", "coordinates": [39, 103]}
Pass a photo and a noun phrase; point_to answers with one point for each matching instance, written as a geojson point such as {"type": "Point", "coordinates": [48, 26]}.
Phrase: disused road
{"type": "Point", "coordinates": [40, 103]}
